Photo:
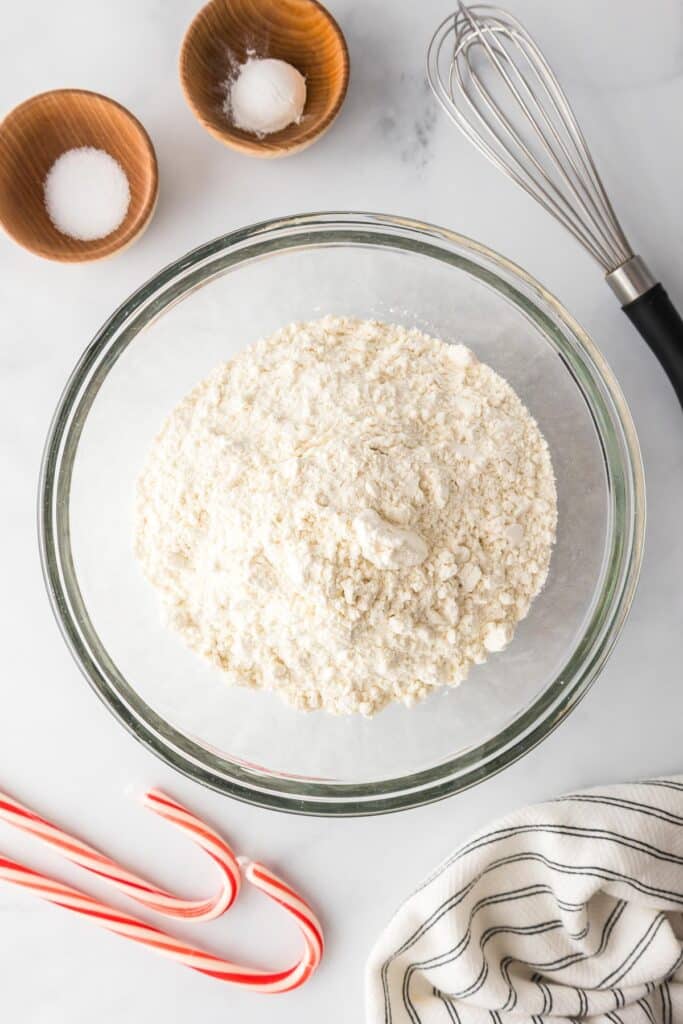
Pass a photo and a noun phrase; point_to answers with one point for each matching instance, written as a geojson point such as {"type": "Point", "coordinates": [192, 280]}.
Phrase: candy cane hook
{"type": "Point", "coordinates": [125, 881]}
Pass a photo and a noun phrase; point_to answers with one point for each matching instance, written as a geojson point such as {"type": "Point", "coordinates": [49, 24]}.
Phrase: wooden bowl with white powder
{"type": "Point", "coordinates": [227, 34]}
{"type": "Point", "coordinates": [78, 176]}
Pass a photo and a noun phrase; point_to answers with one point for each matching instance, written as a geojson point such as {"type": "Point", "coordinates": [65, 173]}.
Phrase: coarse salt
{"type": "Point", "coordinates": [86, 193]}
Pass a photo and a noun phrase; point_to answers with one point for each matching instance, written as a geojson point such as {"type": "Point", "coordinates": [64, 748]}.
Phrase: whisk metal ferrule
{"type": "Point", "coordinates": [631, 280]}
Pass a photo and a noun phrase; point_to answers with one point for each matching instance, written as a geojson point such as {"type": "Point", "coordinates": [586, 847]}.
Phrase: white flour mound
{"type": "Point", "coordinates": [348, 513]}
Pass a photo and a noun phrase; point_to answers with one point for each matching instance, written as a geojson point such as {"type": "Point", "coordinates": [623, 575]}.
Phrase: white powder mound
{"type": "Point", "coordinates": [266, 96]}
{"type": "Point", "coordinates": [348, 513]}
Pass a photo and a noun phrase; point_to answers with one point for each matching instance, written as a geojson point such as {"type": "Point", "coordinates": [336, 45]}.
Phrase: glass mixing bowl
{"type": "Point", "coordinates": [201, 310]}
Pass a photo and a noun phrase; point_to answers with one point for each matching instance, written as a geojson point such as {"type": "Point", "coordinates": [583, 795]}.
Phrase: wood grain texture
{"type": "Point", "coordinates": [301, 32]}
{"type": "Point", "coordinates": [39, 130]}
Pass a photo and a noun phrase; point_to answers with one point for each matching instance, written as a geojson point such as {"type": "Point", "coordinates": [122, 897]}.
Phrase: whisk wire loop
{"type": "Point", "coordinates": [528, 130]}
{"type": "Point", "coordinates": [544, 182]}
{"type": "Point", "coordinates": [540, 121]}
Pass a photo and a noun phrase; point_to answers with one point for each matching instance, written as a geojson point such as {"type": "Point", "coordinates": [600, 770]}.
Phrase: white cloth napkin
{"type": "Point", "coordinates": [567, 911]}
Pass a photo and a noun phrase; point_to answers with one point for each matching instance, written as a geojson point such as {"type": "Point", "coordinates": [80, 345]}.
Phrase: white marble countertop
{"type": "Point", "coordinates": [390, 151]}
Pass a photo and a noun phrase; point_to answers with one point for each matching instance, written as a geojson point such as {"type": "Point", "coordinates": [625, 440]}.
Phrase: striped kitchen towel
{"type": "Point", "coordinates": [567, 911]}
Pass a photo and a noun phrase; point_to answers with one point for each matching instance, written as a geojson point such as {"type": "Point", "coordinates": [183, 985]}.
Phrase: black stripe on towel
{"type": "Point", "coordinates": [615, 976]}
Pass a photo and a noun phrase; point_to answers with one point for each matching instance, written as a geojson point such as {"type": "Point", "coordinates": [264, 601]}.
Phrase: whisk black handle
{"type": "Point", "coordinates": [653, 314]}
{"type": "Point", "coordinates": [658, 321]}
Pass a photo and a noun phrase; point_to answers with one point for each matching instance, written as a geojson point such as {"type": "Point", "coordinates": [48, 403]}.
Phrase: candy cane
{"type": "Point", "coordinates": [139, 931]}
{"type": "Point", "coordinates": [132, 885]}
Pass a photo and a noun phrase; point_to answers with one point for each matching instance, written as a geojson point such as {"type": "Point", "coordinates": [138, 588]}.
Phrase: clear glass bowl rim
{"type": "Point", "coordinates": [626, 528]}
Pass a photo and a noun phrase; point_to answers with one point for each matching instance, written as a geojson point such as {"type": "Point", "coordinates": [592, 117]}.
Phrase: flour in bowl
{"type": "Point", "coordinates": [348, 513]}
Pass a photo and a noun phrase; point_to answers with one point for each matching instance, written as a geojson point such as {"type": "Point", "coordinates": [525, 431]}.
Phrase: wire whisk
{"type": "Point", "coordinates": [495, 84]}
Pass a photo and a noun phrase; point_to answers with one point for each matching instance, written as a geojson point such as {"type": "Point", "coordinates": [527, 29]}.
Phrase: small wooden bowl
{"type": "Point", "coordinates": [225, 32]}
{"type": "Point", "coordinates": [39, 130]}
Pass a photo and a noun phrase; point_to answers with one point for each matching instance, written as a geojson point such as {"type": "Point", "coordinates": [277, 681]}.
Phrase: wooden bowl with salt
{"type": "Point", "coordinates": [40, 130]}
{"type": "Point", "coordinates": [222, 37]}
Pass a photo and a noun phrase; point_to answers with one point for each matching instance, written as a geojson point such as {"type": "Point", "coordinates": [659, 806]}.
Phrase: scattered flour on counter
{"type": "Point", "coordinates": [348, 513]}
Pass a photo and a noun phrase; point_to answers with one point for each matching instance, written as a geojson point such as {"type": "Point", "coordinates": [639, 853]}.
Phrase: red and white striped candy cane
{"type": "Point", "coordinates": [132, 885]}
{"type": "Point", "coordinates": [139, 931]}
